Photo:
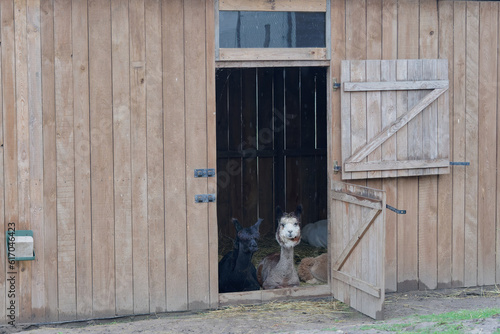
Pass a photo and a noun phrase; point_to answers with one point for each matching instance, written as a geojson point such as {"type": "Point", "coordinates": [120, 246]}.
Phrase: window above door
{"type": "Point", "coordinates": [260, 30]}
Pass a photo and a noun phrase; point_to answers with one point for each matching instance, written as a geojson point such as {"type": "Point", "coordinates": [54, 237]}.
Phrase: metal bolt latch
{"type": "Point", "coordinates": [204, 172]}
{"type": "Point", "coordinates": [204, 198]}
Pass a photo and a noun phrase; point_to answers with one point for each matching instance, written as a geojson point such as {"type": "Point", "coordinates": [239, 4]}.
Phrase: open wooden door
{"type": "Point", "coordinates": [358, 244]}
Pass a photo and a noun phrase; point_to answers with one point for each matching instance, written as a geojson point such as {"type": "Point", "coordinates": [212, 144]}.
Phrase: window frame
{"type": "Point", "coordinates": [273, 54]}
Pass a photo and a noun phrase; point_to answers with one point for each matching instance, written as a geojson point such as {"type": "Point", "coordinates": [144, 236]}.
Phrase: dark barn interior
{"type": "Point", "coordinates": [271, 146]}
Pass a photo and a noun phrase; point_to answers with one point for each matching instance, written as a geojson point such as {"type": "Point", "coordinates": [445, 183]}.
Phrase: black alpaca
{"type": "Point", "coordinates": [236, 270]}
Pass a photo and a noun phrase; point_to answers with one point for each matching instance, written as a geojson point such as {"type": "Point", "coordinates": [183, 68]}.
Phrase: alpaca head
{"type": "Point", "coordinates": [246, 238]}
{"type": "Point", "coordinates": [288, 230]}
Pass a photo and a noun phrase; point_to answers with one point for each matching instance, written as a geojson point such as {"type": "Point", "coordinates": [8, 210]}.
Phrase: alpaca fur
{"type": "Point", "coordinates": [277, 270]}
{"type": "Point", "coordinates": [316, 234]}
{"type": "Point", "coordinates": [314, 270]}
{"type": "Point", "coordinates": [236, 270]}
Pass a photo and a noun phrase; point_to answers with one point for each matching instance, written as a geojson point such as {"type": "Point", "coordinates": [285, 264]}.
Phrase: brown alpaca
{"type": "Point", "coordinates": [314, 270]}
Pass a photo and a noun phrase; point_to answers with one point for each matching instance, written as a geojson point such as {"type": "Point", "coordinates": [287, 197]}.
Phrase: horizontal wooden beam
{"type": "Point", "coordinates": [394, 165]}
{"type": "Point", "coordinates": [357, 283]}
{"type": "Point", "coordinates": [275, 5]}
{"type": "Point", "coordinates": [394, 85]}
{"type": "Point", "coordinates": [271, 63]}
{"type": "Point", "coordinates": [254, 54]}
{"type": "Point", "coordinates": [353, 199]}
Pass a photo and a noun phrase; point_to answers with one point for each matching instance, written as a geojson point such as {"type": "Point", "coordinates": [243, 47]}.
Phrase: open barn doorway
{"type": "Point", "coordinates": [271, 151]}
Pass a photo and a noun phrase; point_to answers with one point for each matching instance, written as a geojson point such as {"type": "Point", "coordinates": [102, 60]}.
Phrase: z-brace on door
{"type": "Point", "coordinates": [358, 215]}
{"type": "Point", "coordinates": [395, 118]}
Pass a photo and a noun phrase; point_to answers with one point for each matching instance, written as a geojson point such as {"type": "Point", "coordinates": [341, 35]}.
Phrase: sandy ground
{"type": "Point", "coordinates": [401, 313]}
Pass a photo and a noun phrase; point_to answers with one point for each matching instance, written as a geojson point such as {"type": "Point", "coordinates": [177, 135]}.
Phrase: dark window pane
{"type": "Point", "coordinates": [271, 29]}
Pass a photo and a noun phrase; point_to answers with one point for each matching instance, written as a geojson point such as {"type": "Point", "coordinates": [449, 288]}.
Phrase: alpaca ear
{"type": "Point", "coordinates": [237, 225]}
{"type": "Point", "coordinates": [257, 224]}
{"type": "Point", "coordinates": [298, 212]}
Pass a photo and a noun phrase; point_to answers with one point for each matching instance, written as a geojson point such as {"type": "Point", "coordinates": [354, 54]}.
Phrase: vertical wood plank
{"type": "Point", "coordinates": [49, 162]}
{"type": "Point", "coordinates": [222, 132]}
{"type": "Point", "coordinates": [4, 227]}
{"type": "Point", "coordinates": [23, 150]}
{"type": "Point", "coordinates": [83, 221]}
{"type": "Point", "coordinates": [211, 151]}
{"type": "Point", "coordinates": [471, 144]}
{"type": "Point", "coordinates": [414, 127]}
{"type": "Point", "coordinates": [356, 48]}
{"type": "Point", "coordinates": [249, 190]}
{"type": "Point", "coordinates": [356, 33]}
{"type": "Point", "coordinates": [389, 29]}
{"type": "Point", "coordinates": [265, 142]}
{"type": "Point", "coordinates": [65, 160]}
{"type": "Point", "coordinates": [11, 189]}
{"type": "Point", "coordinates": [389, 150]}
{"type": "Point", "coordinates": [292, 139]}
{"type": "Point", "coordinates": [101, 124]}
{"type": "Point", "coordinates": [155, 154]}
{"type": "Point", "coordinates": [359, 113]}
{"type": "Point", "coordinates": [488, 85]}
{"type": "Point", "coordinates": [345, 119]}
{"type": "Point", "coordinates": [408, 29]}
{"type": "Point", "coordinates": [373, 29]}
{"type": "Point", "coordinates": [308, 171]}
{"type": "Point", "coordinates": [38, 302]}
{"type": "Point", "coordinates": [459, 144]}
{"type": "Point", "coordinates": [196, 153]}
{"type": "Point", "coordinates": [122, 156]}
{"type": "Point", "coordinates": [407, 187]}
{"type": "Point", "coordinates": [445, 185]}
{"type": "Point", "coordinates": [176, 277]}
{"type": "Point", "coordinates": [140, 232]}
{"type": "Point", "coordinates": [402, 107]}
{"type": "Point", "coordinates": [279, 138]}
{"type": "Point", "coordinates": [427, 211]}
{"type": "Point", "coordinates": [335, 149]}
{"type": "Point", "coordinates": [234, 165]}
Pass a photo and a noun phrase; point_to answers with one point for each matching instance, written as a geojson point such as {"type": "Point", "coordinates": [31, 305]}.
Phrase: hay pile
{"type": "Point", "coordinates": [311, 307]}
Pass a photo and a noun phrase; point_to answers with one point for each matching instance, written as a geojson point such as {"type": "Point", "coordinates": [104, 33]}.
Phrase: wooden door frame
{"type": "Point", "coordinates": [323, 290]}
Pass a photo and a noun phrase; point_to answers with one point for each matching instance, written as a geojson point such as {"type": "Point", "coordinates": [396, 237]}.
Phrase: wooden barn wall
{"type": "Point", "coordinates": [107, 109]}
{"type": "Point", "coordinates": [450, 236]}
{"type": "Point", "coordinates": [108, 106]}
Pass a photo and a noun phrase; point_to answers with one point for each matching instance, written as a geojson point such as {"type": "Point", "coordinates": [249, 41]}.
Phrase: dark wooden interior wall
{"type": "Point", "coordinates": [271, 144]}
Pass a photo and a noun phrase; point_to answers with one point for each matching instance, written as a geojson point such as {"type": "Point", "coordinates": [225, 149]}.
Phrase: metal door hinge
{"type": "Point", "coordinates": [204, 198]}
{"type": "Point", "coordinates": [336, 167]}
{"type": "Point", "coordinates": [204, 172]}
{"type": "Point", "coordinates": [335, 84]}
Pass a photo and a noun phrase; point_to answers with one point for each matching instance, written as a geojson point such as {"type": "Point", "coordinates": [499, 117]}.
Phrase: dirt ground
{"type": "Point", "coordinates": [307, 316]}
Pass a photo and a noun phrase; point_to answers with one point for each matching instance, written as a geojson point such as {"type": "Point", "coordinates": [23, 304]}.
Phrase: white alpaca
{"type": "Point", "coordinates": [277, 270]}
